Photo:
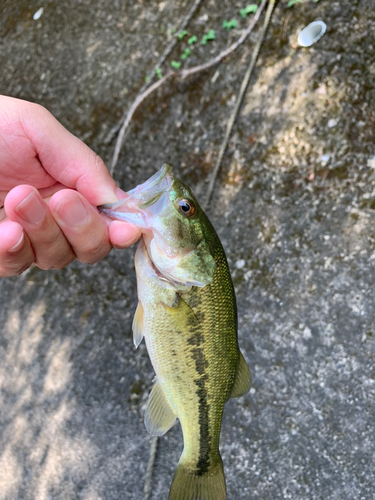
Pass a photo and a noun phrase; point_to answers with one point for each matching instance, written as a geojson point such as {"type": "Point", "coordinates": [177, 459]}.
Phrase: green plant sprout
{"type": "Point", "coordinates": [171, 31]}
{"type": "Point", "coordinates": [209, 36]}
{"type": "Point", "coordinates": [249, 9]}
{"type": "Point", "coordinates": [147, 78]}
{"type": "Point", "coordinates": [186, 54]}
{"type": "Point", "coordinates": [192, 39]}
{"type": "Point", "coordinates": [175, 64]}
{"type": "Point", "coordinates": [182, 34]}
{"type": "Point", "coordinates": [159, 73]}
{"type": "Point", "coordinates": [292, 2]}
{"type": "Point", "coordinates": [228, 25]}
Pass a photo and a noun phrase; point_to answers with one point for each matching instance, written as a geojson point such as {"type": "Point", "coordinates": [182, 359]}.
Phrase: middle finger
{"type": "Point", "coordinates": [82, 225]}
{"type": "Point", "coordinates": [25, 205]}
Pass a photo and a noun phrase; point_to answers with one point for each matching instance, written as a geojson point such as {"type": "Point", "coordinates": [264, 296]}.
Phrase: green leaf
{"type": "Point", "coordinates": [175, 64]}
{"type": "Point", "coordinates": [186, 54]}
{"type": "Point", "coordinates": [182, 34]}
{"type": "Point", "coordinates": [228, 25]}
{"type": "Point", "coordinates": [292, 2]}
{"type": "Point", "coordinates": [147, 78]}
{"type": "Point", "coordinates": [249, 9]}
{"type": "Point", "coordinates": [209, 36]}
{"type": "Point", "coordinates": [159, 73]}
{"type": "Point", "coordinates": [171, 31]}
{"type": "Point", "coordinates": [192, 39]}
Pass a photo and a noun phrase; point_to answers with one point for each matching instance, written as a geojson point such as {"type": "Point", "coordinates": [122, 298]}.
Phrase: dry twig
{"type": "Point", "coordinates": [126, 119]}
{"type": "Point", "coordinates": [150, 467]}
{"type": "Point", "coordinates": [129, 116]}
{"type": "Point", "coordinates": [244, 85]}
{"type": "Point", "coordinates": [184, 74]}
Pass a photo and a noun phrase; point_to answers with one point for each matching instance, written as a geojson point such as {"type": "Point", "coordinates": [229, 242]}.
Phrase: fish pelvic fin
{"type": "Point", "coordinates": [159, 416]}
{"type": "Point", "coordinates": [242, 382]}
{"type": "Point", "coordinates": [187, 484]}
{"type": "Point", "coordinates": [138, 325]}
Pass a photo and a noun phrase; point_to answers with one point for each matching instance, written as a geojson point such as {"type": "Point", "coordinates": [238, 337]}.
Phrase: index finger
{"type": "Point", "coordinates": [62, 155]}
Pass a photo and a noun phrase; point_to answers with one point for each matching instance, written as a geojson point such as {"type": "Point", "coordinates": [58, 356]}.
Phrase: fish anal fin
{"type": "Point", "coordinates": [138, 325]}
{"type": "Point", "coordinates": [242, 382]}
{"type": "Point", "coordinates": [159, 416]}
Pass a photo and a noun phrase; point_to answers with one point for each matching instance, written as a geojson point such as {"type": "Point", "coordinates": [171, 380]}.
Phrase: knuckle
{"type": "Point", "coordinates": [99, 163]}
{"type": "Point", "coordinates": [42, 265]}
{"type": "Point", "coordinates": [56, 263]}
{"type": "Point", "coordinates": [41, 111]}
{"type": "Point", "coordinates": [23, 268]}
{"type": "Point", "coordinates": [95, 253]}
{"type": "Point", "coordinates": [7, 272]}
{"type": "Point", "coordinates": [14, 270]}
{"type": "Point", "coordinates": [64, 263]}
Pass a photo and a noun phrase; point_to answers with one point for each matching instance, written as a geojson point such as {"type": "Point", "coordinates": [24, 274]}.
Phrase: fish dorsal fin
{"type": "Point", "coordinates": [242, 382]}
{"type": "Point", "coordinates": [138, 325]}
{"type": "Point", "coordinates": [159, 416]}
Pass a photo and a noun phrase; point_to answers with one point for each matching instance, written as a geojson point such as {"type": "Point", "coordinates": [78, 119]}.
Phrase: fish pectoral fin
{"type": "Point", "coordinates": [242, 382]}
{"type": "Point", "coordinates": [138, 325]}
{"type": "Point", "coordinates": [159, 416]}
{"type": "Point", "coordinates": [181, 315]}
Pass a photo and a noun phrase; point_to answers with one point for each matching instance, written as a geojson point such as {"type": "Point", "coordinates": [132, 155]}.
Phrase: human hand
{"type": "Point", "coordinates": [50, 185]}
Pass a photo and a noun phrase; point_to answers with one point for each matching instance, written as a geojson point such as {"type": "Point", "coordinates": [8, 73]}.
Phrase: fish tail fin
{"type": "Point", "coordinates": [187, 484]}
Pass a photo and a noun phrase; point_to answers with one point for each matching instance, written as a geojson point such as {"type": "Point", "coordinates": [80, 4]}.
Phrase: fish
{"type": "Point", "coordinates": [188, 316]}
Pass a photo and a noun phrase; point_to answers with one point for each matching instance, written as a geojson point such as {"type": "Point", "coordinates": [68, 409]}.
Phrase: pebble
{"type": "Point", "coordinates": [240, 264]}
{"type": "Point", "coordinates": [332, 123]}
{"type": "Point", "coordinates": [371, 162]}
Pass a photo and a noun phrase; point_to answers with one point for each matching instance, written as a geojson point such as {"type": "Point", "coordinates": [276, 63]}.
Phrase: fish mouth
{"type": "Point", "coordinates": [144, 202]}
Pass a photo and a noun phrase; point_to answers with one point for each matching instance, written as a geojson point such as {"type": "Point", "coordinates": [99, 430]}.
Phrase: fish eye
{"type": "Point", "coordinates": [186, 207]}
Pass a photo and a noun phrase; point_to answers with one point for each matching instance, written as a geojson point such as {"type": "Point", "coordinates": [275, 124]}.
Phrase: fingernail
{"type": "Point", "coordinates": [72, 211]}
{"type": "Point", "coordinates": [31, 209]}
{"type": "Point", "coordinates": [18, 245]}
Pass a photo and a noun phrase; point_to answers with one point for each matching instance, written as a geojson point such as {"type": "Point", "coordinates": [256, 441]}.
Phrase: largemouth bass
{"type": "Point", "coordinates": [188, 317]}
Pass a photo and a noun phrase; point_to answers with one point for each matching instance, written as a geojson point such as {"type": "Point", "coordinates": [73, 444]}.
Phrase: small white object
{"type": "Point", "coordinates": [325, 158]}
{"type": "Point", "coordinates": [312, 33]}
{"type": "Point", "coordinates": [371, 162]}
{"type": "Point", "coordinates": [203, 19]}
{"type": "Point", "coordinates": [240, 264]}
{"type": "Point", "coordinates": [38, 14]}
{"type": "Point", "coordinates": [215, 77]}
{"type": "Point", "coordinates": [332, 123]}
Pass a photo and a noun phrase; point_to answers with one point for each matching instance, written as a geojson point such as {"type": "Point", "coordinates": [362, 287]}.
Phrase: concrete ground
{"type": "Point", "coordinates": [294, 206]}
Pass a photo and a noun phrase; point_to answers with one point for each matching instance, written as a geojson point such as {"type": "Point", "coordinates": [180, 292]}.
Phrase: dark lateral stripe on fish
{"type": "Point", "coordinates": [201, 364]}
{"type": "Point", "coordinates": [204, 462]}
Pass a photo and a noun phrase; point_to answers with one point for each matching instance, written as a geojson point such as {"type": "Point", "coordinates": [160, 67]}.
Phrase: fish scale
{"type": "Point", "coordinates": [187, 314]}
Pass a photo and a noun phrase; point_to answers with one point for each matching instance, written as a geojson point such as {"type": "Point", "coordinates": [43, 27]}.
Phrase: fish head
{"type": "Point", "coordinates": [173, 225]}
